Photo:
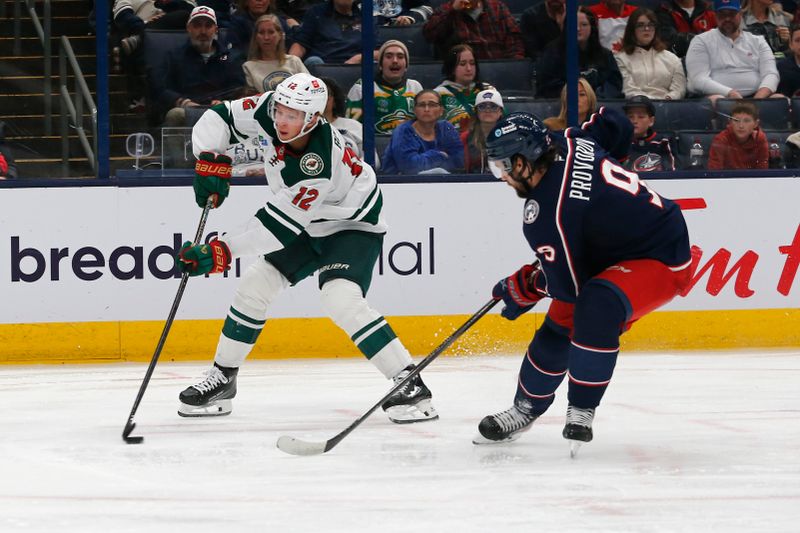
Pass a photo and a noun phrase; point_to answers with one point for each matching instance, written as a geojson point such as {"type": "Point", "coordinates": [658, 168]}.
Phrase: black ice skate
{"type": "Point", "coordinates": [412, 402]}
{"type": "Point", "coordinates": [578, 428]}
{"type": "Point", "coordinates": [212, 396]}
{"type": "Point", "coordinates": [505, 426]}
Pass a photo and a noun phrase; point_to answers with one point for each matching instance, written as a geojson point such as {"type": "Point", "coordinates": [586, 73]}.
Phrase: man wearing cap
{"type": "Point", "coordinates": [649, 151]}
{"type": "Point", "coordinates": [489, 109]}
{"type": "Point", "coordinates": [727, 62]}
{"type": "Point", "coordinates": [394, 93]}
{"type": "Point", "coordinates": [201, 72]}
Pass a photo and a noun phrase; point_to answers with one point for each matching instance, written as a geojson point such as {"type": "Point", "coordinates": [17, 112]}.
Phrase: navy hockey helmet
{"type": "Point", "coordinates": [517, 133]}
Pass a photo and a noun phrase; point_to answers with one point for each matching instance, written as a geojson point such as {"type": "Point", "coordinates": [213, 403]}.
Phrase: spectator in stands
{"type": "Point", "coordinates": [768, 19]}
{"type": "Point", "coordinates": [612, 17]}
{"type": "Point", "coordinates": [793, 152]}
{"type": "Point", "coordinates": [413, 12]}
{"type": "Point", "coordinates": [8, 168]}
{"type": "Point", "coordinates": [486, 25]}
{"type": "Point", "coordinates": [680, 20]}
{"type": "Point", "coordinates": [488, 110]}
{"type": "Point", "coordinates": [597, 64]}
{"type": "Point", "coordinates": [541, 24]}
{"type": "Point", "coordinates": [330, 33]}
{"type": "Point", "coordinates": [394, 93]}
{"type": "Point", "coordinates": [222, 8]}
{"type": "Point", "coordinates": [646, 67]}
{"type": "Point", "coordinates": [200, 73]}
{"type": "Point", "coordinates": [425, 144]}
{"type": "Point", "coordinates": [296, 9]}
{"type": "Point", "coordinates": [742, 144]}
{"type": "Point", "coordinates": [267, 63]}
{"type": "Point", "coordinates": [727, 62]}
{"type": "Point", "coordinates": [789, 66]}
{"type": "Point", "coordinates": [649, 151]}
{"type": "Point", "coordinates": [350, 129]}
{"type": "Point", "coordinates": [131, 17]}
{"type": "Point", "coordinates": [587, 104]}
{"type": "Point", "coordinates": [460, 86]}
{"type": "Point", "coordinates": [243, 21]}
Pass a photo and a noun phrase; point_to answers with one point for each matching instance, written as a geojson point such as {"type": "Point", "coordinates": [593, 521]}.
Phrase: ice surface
{"type": "Point", "coordinates": [683, 442]}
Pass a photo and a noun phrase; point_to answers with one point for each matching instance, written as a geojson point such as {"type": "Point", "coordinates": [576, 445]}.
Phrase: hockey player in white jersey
{"type": "Point", "coordinates": [324, 215]}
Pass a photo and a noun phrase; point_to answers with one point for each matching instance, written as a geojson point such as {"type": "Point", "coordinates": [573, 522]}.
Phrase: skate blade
{"type": "Point", "coordinates": [218, 408]}
{"type": "Point", "coordinates": [422, 411]}
{"type": "Point", "coordinates": [574, 446]}
{"type": "Point", "coordinates": [480, 440]}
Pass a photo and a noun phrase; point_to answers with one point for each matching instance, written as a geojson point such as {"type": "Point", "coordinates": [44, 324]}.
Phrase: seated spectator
{"type": "Point", "coordinates": [789, 66]}
{"type": "Point", "coordinates": [793, 155]}
{"type": "Point", "coordinates": [350, 129]}
{"type": "Point", "coordinates": [412, 12]}
{"type": "Point", "coordinates": [267, 63]}
{"type": "Point", "coordinates": [488, 110]}
{"type": "Point", "coordinates": [425, 144]}
{"type": "Point", "coordinates": [296, 9]}
{"type": "Point", "coordinates": [8, 168]}
{"type": "Point", "coordinates": [646, 67]}
{"type": "Point", "coordinates": [394, 93]}
{"type": "Point", "coordinates": [680, 20]}
{"type": "Point", "coordinates": [727, 62]}
{"type": "Point", "coordinates": [201, 72]}
{"type": "Point", "coordinates": [768, 19]}
{"type": "Point", "coordinates": [486, 25]}
{"type": "Point", "coordinates": [223, 9]}
{"type": "Point", "coordinates": [587, 104]}
{"type": "Point", "coordinates": [460, 86]}
{"type": "Point", "coordinates": [612, 17]}
{"type": "Point", "coordinates": [541, 25]}
{"type": "Point", "coordinates": [597, 64]}
{"type": "Point", "coordinates": [243, 21]}
{"type": "Point", "coordinates": [649, 151]}
{"type": "Point", "coordinates": [330, 33]}
{"type": "Point", "coordinates": [742, 144]}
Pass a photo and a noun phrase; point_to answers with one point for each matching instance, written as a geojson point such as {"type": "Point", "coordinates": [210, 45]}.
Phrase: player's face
{"type": "Point", "coordinates": [268, 36]}
{"type": "Point", "coordinates": [641, 121]}
{"type": "Point", "coordinates": [743, 126]}
{"type": "Point", "coordinates": [516, 171]}
{"type": "Point", "coordinates": [394, 64]}
{"type": "Point", "coordinates": [465, 68]}
{"type": "Point", "coordinates": [645, 31]}
{"type": "Point", "coordinates": [201, 33]}
{"type": "Point", "coordinates": [584, 28]}
{"type": "Point", "coordinates": [258, 7]}
{"type": "Point", "coordinates": [288, 121]}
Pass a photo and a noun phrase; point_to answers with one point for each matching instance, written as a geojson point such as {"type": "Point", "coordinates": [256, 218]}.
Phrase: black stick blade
{"type": "Point", "coordinates": [126, 434]}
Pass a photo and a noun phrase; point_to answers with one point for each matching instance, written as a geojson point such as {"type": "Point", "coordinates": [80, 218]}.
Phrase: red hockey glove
{"type": "Point", "coordinates": [520, 291]}
{"type": "Point", "coordinates": [211, 258]}
{"type": "Point", "coordinates": [212, 177]}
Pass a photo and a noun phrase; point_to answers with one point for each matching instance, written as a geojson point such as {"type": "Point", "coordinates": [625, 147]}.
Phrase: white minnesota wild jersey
{"type": "Point", "coordinates": [323, 190]}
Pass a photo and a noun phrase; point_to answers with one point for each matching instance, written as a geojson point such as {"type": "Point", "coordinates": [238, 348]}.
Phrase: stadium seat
{"type": "Point", "coordinates": [780, 136]}
{"type": "Point", "coordinates": [796, 112]}
{"type": "Point", "coordinates": [157, 43]}
{"type": "Point", "coordinates": [541, 108]}
{"type": "Point", "coordinates": [345, 75]}
{"type": "Point", "coordinates": [381, 142]}
{"type": "Point", "coordinates": [509, 75]}
{"type": "Point", "coordinates": [518, 6]}
{"type": "Point", "coordinates": [418, 48]}
{"type": "Point", "coordinates": [684, 115]}
{"type": "Point", "coordinates": [773, 113]}
{"type": "Point", "coordinates": [685, 141]}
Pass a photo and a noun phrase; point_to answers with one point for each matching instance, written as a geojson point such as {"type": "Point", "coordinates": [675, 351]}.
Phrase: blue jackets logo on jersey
{"type": "Point", "coordinates": [530, 212]}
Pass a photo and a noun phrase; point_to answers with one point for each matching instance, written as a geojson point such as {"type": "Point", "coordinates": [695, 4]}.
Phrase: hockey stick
{"type": "Point", "coordinates": [126, 433]}
{"type": "Point", "coordinates": [295, 446]}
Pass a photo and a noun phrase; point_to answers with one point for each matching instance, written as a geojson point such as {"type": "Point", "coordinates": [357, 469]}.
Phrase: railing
{"type": "Point", "coordinates": [72, 112]}
{"type": "Point", "coordinates": [43, 30]}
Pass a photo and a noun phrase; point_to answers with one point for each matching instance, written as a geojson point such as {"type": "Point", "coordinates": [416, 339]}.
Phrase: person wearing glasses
{"type": "Point", "coordinates": [426, 144]}
{"type": "Point", "coordinates": [647, 67]}
{"type": "Point", "coordinates": [489, 109]}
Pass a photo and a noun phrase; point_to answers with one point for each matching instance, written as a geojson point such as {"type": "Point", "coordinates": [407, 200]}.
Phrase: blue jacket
{"type": "Point", "coordinates": [332, 36]}
{"type": "Point", "coordinates": [407, 153]}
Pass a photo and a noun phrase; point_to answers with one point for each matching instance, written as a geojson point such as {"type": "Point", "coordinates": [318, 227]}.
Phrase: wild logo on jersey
{"type": "Point", "coordinates": [311, 164]}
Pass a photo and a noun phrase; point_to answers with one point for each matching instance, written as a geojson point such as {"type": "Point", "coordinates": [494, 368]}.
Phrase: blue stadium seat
{"type": "Point", "coordinates": [509, 76]}
{"type": "Point", "coordinates": [773, 113]}
{"type": "Point", "coordinates": [518, 6]}
{"type": "Point", "coordinates": [685, 141]}
{"type": "Point", "coordinates": [381, 142]}
{"type": "Point", "coordinates": [418, 48]}
{"type": "Point", "coordinates": [796, 112]}
{"type": "Point", "coordinates": [345, 75]}
{"type": "Point", "coordinates": [541, 108]}
{"type": "Point", "coordinates": [780, 136]}
{"type": "Point", "coordinates": [684, 115]}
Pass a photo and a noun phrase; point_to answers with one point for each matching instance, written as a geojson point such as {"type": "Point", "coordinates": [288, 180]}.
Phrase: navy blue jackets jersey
{"type": "Point", "coordinates": [588, 213]}
{"type": "Point", "coordinates": [649, 154]}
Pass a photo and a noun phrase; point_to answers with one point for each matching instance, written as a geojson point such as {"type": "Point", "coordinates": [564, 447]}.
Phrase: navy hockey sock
{"type": "Point", "coordinates": [599, 316]}
{"type": "Point", "coordinates": [542, 370]}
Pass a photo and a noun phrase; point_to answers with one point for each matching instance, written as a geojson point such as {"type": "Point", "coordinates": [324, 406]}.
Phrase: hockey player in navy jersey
{"type": "Point", "coordinates": [608, 250]}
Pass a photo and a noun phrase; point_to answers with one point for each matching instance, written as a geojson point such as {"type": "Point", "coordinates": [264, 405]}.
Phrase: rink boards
{"type": "Point", "coordinates": [86, 273]}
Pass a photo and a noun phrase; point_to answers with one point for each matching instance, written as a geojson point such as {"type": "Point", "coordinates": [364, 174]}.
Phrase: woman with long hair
{"type": "Point", "coordinates": [587, 104]}
{"type": "Point", "coordinates": [243, 21]}
{"type": "Point", "coordinates": [768, 19]}
{"type": "Point", "coordinates": [647, 67]}
{"type": "Point", "coordinates": [267, 63]}
{"type": "Point", "coordinates": [596, 63]}
{"type": "Point", "coordinates": [460, 86]}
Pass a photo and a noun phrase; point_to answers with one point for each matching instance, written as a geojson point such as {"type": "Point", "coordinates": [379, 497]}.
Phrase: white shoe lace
{"type": "Point", "coordinates": [409, 389]}
{"type": "Point", "coordinates": [512, 419]}
{"type": "Point", "coordinates": [214, 378]}
{"type": "Point", "coordinates": [580, 417]}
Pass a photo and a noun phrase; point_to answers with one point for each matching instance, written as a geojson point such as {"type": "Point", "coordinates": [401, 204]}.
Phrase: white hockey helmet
{"type": "Point", "coordinates": [302, 92]}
